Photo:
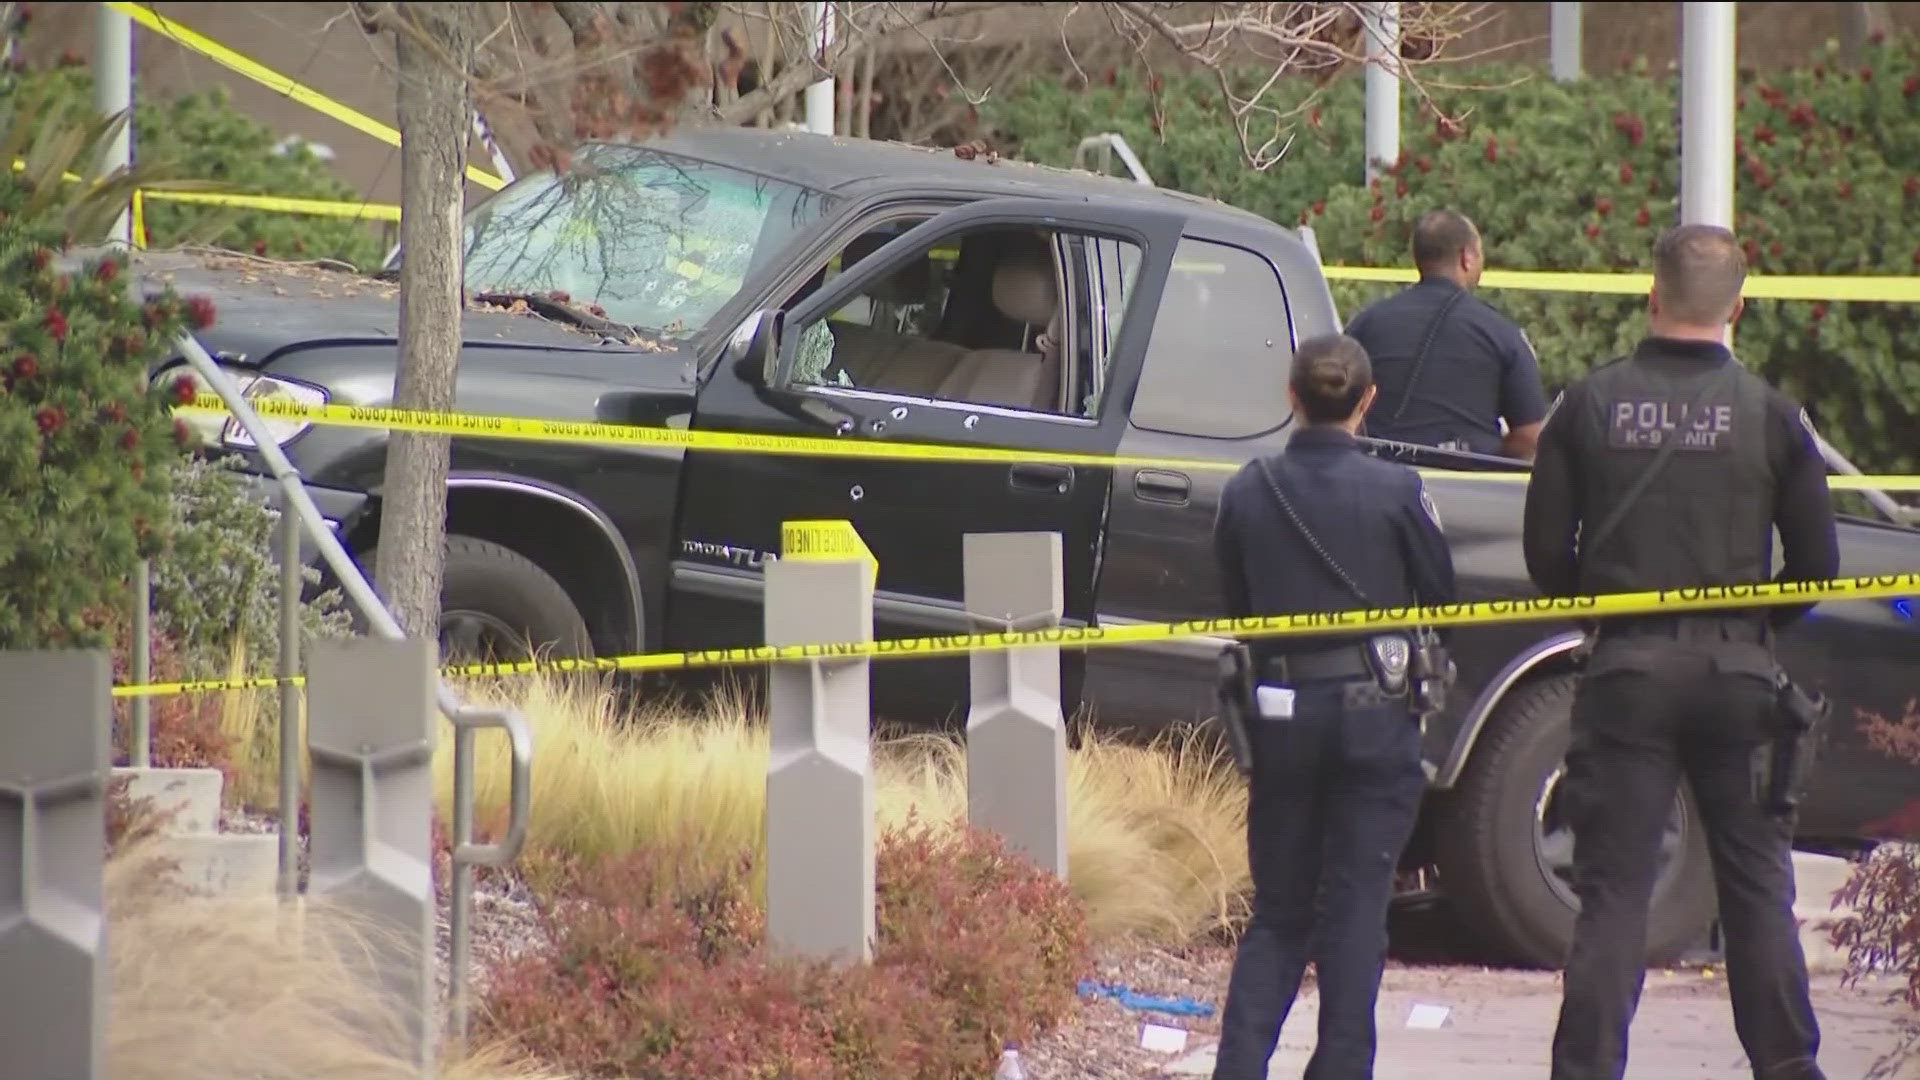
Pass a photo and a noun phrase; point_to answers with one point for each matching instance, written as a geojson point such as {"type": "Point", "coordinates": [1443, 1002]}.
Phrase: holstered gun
{"type": "Point", "coordinates": [1433, 673]}
{"type": "Point", "coordinates": [1783, 763]}
{"type": "Point", "coordinates": [1235, 695]}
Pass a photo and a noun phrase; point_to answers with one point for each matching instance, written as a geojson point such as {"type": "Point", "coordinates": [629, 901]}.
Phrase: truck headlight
{"type": "Point", "coordinates": [255, 387]}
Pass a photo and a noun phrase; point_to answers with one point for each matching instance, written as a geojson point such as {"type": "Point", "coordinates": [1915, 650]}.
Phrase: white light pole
{"type": "Point", "coordinates": [113, 94]}
{"type": "Point", "coordinates": [1706, 114]}
{"type": "Point", "coordinates": [819, 95]}
{"type": "Point", "coordinates": [1564, 31]}
{"type": "Point", "coordinates": [1383, 86]}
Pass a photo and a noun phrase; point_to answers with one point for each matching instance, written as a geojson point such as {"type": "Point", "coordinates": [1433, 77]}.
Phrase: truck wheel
{"type": "Point", "coordinates": [496, 604]}
{"type": "Point", "coordinates": [1505, 852]}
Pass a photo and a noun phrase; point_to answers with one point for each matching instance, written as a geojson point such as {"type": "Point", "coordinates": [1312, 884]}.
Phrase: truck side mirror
{"type": "Point", "coordinates": [754, 348]}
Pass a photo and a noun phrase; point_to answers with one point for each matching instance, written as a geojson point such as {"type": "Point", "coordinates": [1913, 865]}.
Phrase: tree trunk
{"type": "Point", "coordinates": [435, 50]}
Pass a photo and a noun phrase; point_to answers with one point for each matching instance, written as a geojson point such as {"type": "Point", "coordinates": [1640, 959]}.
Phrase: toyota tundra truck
{"type": "Point", "coordinates": [782, 283]}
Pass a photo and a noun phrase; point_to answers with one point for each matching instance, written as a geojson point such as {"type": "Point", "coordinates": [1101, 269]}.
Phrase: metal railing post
{"type": "Point", "coordinates": [292, 746]}
{"type": "Point", "coordinates": [820, 823]}
{"type": "Point", "coordinates": [1016, 734]}
{"type": "Point", "coordinates": [140, 754]}
{"type": "Point", "coordinates": [55, 716]}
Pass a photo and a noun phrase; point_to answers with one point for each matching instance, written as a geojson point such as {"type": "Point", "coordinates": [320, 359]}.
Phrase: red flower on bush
{"type": "Point", "coordinates": [1911, 86]}
{"type": "Point", "coordinates": [1319, 207]}
{"type": "Point", "coordinates": [1593, 230]}
{"type": "Point", "coordinates": [1626, 173]}
{"type": "Point", "coordinates": [1819, 311]}
{"type": "Point", "coordinates": [1603, 206]}
{"type": "Point", "coordinates": [1493, 150]}
{"type": "Point", "coordinates": [1630, 126]}
{"type": "Point", "coordinates": [1802, 116]}
{"type": "Point", "coordinates": [114, 412]}
{"type": "Point", "coordinates": [130, 439]}
{"type": "Point", "coordinates": [259, 247]}
{"type": "Point", "coordinates": [200, 313]}
{"type": "Point", "coordinates": [41, 258]}
{"type": "Point", "coordinates": [1912, 186]}
{"type": "Point", "coordinates": [107, 271]}
{"type": "Point", "coordinates": [1774, 249]}
{"type": "Point", "coordinates": [26, 366]}
{"type": "Point", "coordinates": [1764, 135]}
{"type": "Point", "coordinates": [182, 435]}
{"type": "Point", "coordinates": [50, 419]}
{"type": "Point", "coordinates": [1846, 189]}
{"type": "Point", "coordinates": [1378, 213]}
{"type": "Point", "coordinates": [1866, 74]}
{"type": "Point", "coordinates": [1446, 129]}
{"type": "Point", "coordinates": [56, 323]}
{"type": "Point", "coordinates": [1400, 189]}
{"type": "Point", "coordinates": [185, 390]}
{"type": "Point", "coordinates": [1423, 164]}
{"type": "Point", "coordinates": [1643, 218]}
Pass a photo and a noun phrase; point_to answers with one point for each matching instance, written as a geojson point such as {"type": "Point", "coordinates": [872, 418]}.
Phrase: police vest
{"type": "Point", "coordinates": [1707, 518]}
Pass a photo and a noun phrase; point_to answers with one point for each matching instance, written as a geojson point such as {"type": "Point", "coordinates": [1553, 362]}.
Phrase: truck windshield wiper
{"type": "Point", "coordinates": [547, 307]}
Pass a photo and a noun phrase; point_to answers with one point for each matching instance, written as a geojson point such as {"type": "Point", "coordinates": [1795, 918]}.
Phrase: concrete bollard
{"type": "Point", "coordinates": [820, 814]}
{"type": "Point", "coordinates": [54, 730]}
{"type": "Point", "coordinates": [370, 734]}
{"type": "Point", "coordinates": [1016, 735]}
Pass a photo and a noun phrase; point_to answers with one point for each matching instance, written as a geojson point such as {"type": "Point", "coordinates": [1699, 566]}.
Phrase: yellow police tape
{"type": "Point", "coordinates": [1537, 609]}
{"type": "Point", "coordinates": [281, 204]}
{"type": "Point", "coordinates": [826, 541]}
{"type": "Point", "coordinates": [275, 81]}
{"type": "Point", "coordinates": [1887, 289]}
{"type": "Point", "coordinates": [474, 425]}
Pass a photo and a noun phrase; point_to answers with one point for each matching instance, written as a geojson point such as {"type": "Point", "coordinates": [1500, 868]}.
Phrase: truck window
{"type": "Point", "coordinates": [1222, 343]}
{"type": "Point", "coordinates": [980, 319]}
{"type": "Point", "coordinates": [658, 241]}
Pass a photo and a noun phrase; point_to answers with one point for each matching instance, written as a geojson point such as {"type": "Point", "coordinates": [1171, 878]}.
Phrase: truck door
{"type": "Point", "coordinates": [978, 327]}
{"type": "Point", "coordinates": [1213, 386]}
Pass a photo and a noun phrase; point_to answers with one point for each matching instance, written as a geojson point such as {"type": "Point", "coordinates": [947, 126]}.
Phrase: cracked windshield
{"type": "Point", "coordinates": [655, 241]}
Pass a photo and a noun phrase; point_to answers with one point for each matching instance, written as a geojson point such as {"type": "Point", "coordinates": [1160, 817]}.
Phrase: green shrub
{"type": "Point", "coordinates": [640, 975]}
{"type": "Point", "coordinates": [86, 451]}
{"type": "Point", "coordinates": [202, 136]}
{"type": "Point", "coordinates": [1581, 178]}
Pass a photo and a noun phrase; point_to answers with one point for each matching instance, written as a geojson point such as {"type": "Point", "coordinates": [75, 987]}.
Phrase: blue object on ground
{"type": "Point", "coordinates": [1178, 1006]}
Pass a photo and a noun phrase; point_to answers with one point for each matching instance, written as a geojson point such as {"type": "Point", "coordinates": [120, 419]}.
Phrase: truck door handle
{"type": "Point", "coordinates": [1155, 485]}
{"type": "Point", "coordinates": [1054, 478]}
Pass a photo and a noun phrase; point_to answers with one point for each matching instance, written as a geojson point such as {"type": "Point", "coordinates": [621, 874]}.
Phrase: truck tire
{"type": "Point", "coordinates": [1505, 854]}
{"type": "Point", "coordinates": [496, 604]}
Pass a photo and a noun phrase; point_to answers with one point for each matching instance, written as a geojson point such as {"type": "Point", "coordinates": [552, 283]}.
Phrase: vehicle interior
{"type": "Point", "coordinates": [980, 319]}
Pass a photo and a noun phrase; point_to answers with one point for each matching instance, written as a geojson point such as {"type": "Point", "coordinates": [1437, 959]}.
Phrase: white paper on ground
{"type": "Point", "coordinates": [1427, 1017]}
{"type": "Point", "coordinates": [1167, 1040]}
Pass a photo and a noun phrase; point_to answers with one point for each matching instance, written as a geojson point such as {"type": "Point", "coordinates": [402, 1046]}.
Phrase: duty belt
{"type": "Point", "coordinates": [1339, 662]}
{"type": "Point", "coordinates": [1699, 627]}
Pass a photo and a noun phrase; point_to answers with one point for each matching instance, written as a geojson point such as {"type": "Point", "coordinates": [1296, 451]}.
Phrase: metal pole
{"type": "Point", "coordinates": [1383, 86]}
{"type": "Point", "coordinates": [1706, 114]}
{"type": "Point", "coordinates": [292, 746]}
{"type": "Point", "coordinates": [141, 752]}
{"type": "Point", "coordinates": [113, 94]}
{"type": "Point", "coordinates": [819, 96]}
{"type": "Point", "coordinates": [1564, 29]}
{"type": "Point", "coordinates": [460, 917]}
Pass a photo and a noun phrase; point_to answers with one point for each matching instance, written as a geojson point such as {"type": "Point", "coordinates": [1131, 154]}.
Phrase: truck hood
{"type": "Point", "coordinates": [263, 308]}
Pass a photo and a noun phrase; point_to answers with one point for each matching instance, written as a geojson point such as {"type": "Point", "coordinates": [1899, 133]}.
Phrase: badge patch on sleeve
{"type": "Point", "coordinates": [1646, 424]}
{"type": "Point", "coordinates": [1433, 512]}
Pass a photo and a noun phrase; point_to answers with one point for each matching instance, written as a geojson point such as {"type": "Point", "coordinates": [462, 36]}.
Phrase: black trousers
{"type": "Point", "coordinates": [1333, 799]}
{"type": "Point", "coordinates": [1652, 707]}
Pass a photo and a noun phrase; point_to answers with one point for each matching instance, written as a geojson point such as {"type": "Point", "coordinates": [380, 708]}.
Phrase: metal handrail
{"type": "Point", "coordinates": [466, 719]}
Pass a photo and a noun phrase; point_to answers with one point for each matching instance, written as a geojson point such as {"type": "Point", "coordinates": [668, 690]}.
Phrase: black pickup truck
{"type": "Point", "coordinates": [751, 281]}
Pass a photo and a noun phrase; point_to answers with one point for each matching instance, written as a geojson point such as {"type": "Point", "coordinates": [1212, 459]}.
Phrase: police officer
{"type": "Point", "coordinates": [1670, 468]}
{"type": "Point", "coordinates": [1337, 779]}
{"type": "Point", "coordinates": [1450, 367]}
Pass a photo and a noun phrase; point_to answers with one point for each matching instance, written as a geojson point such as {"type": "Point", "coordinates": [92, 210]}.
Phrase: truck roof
{"type": "Point", "coordinates": [852, 166]}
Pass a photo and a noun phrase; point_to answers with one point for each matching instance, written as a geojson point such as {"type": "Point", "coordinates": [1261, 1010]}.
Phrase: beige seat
{"type": "Point", "coordinates": [878, 359]}
{"type": "Point", "coordinates": [1024, 290]}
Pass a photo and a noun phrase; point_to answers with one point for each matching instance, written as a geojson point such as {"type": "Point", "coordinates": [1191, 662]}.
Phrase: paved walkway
{"type": "Point", "coordinates": [1499, 1025]}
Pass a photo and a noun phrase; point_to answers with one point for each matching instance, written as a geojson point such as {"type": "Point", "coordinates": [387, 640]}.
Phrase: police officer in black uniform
{"type": "Point", "coordinates": [1450, 367]}
{"type": "Point", "coordinates": [1665, 469]}
{"type": "Point", "coordinates": [1336, 779]}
